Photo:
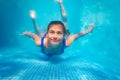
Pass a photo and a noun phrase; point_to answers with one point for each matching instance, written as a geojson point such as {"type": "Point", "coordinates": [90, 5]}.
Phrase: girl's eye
{"type": "Point", "coordinates": [51, 32]}
{"type": "Point", "coordinates": [59, 33]}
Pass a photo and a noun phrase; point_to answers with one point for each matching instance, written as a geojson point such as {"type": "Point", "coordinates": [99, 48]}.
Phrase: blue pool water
{"type": "Point", "coordinates": [92, 57]}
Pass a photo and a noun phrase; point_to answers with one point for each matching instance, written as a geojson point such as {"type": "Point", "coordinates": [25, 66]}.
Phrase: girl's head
{"type": "Point", "coordinates": [56, 32]}
{"type": "Point", "coordinates": [57, 23]}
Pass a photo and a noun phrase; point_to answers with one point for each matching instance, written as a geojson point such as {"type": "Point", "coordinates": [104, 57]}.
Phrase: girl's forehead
{"type": "Point", "coordinates": [56, 27]}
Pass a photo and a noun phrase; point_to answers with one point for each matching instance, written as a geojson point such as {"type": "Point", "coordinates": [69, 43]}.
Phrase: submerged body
{"type": "Point", "coordinates": [57, 37]}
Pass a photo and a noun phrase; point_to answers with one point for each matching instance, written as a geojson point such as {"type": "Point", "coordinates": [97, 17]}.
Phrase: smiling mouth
{"type": "Point", "coordinates": [55, 40]}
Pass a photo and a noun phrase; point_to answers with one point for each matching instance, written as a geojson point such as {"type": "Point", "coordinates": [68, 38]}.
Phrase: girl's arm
{"type": "Point", "coordinates": [64, 16]}
{"type": "Point", "coordinates": [70, 39]}
{"type": "Point", "coordinates": [63, 13]}
{"type": "Point", "coordinates": [35, 37]}
{"type": "Point", "coordinates": [36, 27]}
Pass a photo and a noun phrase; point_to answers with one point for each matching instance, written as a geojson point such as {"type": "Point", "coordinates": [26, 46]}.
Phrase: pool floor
{"type": "Point", "coordinates": [19, 65]}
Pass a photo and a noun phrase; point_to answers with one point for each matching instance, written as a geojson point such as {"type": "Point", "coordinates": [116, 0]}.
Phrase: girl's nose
{"type": "Point", "coordinates": [55, 35]}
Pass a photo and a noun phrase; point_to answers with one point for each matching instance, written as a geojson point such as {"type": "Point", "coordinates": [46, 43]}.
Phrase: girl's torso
{"type": "Point", "coordinates": [52, 50]}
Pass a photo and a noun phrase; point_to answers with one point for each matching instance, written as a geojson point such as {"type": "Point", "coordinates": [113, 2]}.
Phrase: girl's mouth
{"type": "Point", "coordinates": [55, 40]}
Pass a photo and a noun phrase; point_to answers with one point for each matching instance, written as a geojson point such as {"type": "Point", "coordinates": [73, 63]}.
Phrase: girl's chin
{"type": "Point", "coordinates": [55, 43]}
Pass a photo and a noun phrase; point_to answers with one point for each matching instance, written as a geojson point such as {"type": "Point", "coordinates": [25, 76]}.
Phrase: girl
{"type": "Point", "coordinates": [54, 41]}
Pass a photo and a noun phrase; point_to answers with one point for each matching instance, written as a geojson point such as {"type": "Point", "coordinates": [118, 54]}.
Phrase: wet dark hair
{"type": "Point", "coordinates": [65, 32]}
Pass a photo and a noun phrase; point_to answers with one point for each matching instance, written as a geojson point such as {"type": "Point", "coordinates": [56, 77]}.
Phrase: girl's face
{"type": "Point", "coordinates": [55, 34]}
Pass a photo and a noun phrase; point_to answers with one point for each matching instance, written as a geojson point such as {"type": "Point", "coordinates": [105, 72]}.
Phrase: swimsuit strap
{"type": "Point", "coordinates": [64, 42]}
{"type": "Point", "coordinates": [42, 44]}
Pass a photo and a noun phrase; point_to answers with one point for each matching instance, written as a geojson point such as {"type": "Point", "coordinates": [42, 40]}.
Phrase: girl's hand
{"type": "Point", "coordinates": [59, 1]}
{"type": "Point", "coordinates": [32, 14]}
{"type": "Point", "coordinates": [90, 28]}
{"type": "Point", "coordinates": [24, 33]}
